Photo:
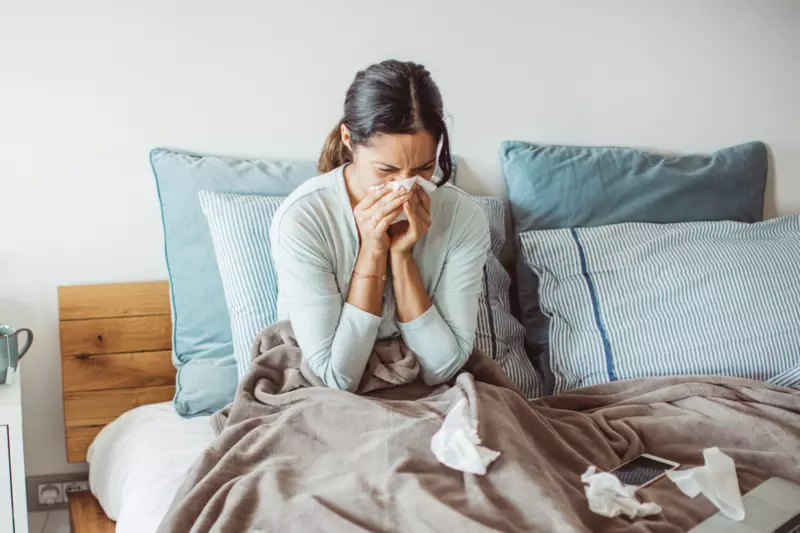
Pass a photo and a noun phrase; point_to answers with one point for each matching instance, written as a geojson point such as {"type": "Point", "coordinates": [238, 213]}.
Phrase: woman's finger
{"type": "Point", "coordinates": [383, 225]}
{"type": "Point", "coordinates": [411, 214]}
{"type": "Point", "coordinates": [373, 196]}
{"type": "Point", "coordinates": [423, 214]}
{"type": "Point", "coordinates": [426, 201]}
{"type": "Point", "coordinates": [417, 216]}
{"type": "Point", "coordinates": [422, 205]}
{"type": "Point", "coordinates": [383, 208]}
{"type": "Point", "coordinates": [416, 223]}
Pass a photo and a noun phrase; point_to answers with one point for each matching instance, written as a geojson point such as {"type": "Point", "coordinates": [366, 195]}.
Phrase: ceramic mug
{"type": "Point", "coordinates": [10, 354]}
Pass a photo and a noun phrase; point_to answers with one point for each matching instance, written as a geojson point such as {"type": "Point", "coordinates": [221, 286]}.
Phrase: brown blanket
{"type": "Point", "coordinates": [290, 457]}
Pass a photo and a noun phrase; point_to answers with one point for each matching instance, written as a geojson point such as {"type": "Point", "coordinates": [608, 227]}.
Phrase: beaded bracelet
{"type": "Point", "coordinates": [358, 275]}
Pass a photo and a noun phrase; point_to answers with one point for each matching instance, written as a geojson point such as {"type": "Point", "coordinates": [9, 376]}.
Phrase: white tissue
{"type": "Point", "coordinates": [407, 184]}
{"type": "Point", "coordinates": [609, 497]}
{"type": "Point", "coordinates": [457, 445]}
{"type": "Point", "coordinates": [717, 480]}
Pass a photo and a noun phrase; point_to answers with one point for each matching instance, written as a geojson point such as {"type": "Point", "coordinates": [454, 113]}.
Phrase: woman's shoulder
{"type": "Point", "coordinates": [321, 187]}
{"type": "Point", "coordinates": [459, 207]}
{"type": "Point", "coordinates": [308, 197]}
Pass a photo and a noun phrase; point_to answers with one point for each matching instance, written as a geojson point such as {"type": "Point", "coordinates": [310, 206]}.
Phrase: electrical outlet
{"type": "Point", "coordinates": [73, 486]}
{"type": "Point", "coordinates": [34, 484]}
{"type": "Point", "coordinates": [50, 493]}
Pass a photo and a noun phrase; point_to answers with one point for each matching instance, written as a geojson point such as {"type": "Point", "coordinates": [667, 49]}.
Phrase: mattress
{"type": "Point", "coordinates": [138, 462]}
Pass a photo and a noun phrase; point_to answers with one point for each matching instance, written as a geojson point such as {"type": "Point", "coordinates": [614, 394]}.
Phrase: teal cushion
{"type": "Point", "coordinates": [553, 187]}
{"type": "Point", "coordinates": [202, 342]}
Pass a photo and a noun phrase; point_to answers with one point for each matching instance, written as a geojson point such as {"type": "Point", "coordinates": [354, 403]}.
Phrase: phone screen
{"type": "Point", "coordinates": [640, 471]}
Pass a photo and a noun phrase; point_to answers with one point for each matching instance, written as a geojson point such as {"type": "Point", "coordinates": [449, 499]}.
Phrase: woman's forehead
{"type": "Point", "coordinates": [402, 150]}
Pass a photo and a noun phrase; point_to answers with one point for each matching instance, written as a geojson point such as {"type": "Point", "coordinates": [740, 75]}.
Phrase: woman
{"type": "Point", "coordinates": [348, 273]}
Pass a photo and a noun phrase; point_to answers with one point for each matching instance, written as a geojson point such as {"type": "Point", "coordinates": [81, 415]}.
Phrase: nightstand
{"type": "Point", "coordinates": [13, 502]}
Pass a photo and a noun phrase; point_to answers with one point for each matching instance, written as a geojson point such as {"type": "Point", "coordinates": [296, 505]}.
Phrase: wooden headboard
{"type": "Point", "coordinates": [116, 342]}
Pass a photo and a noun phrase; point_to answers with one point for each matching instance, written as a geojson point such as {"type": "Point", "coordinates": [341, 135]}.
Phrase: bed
{"type": "Point", "coordinates": [140, 462]}
{"type": "Point", "coordinates": [115, 335]}
{"type": "Point", "coordinates": [649, 345]}
{"type": "Point", "coordinates": [115, 347]}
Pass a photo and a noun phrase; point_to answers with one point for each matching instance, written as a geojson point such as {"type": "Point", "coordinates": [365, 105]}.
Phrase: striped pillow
{"type": "Point", "coordinates": [640, 300]}
{"type": "Point", "coordinates": [500, 335]}
{"type": "Point", "coordinates": [239, 226]}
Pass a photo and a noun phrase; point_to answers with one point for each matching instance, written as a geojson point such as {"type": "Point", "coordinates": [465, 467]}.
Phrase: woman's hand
{"type": "Point", "coordinates": [375, 213]}
{"type": "Point", "coordinates": [405, 234]}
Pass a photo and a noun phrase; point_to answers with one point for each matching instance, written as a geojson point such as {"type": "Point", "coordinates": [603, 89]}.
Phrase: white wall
{"type": "Point", "coordinates": [86, 89]}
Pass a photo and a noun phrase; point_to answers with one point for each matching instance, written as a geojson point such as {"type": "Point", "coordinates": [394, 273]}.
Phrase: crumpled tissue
{"type": "Point", "coordinates": [717, 480]}
{"type": "Point", "coordinates": [609, 497]}
{"type": "Point", "coordinates": [407, 184]}
{"type": "Point", "coordinates": [457, 445]}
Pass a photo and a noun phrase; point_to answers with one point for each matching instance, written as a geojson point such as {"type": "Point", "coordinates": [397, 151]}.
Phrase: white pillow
{"type": "Point", "coordinates": [138, 462]}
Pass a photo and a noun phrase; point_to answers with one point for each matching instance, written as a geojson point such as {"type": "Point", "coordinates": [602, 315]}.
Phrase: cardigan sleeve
{"type": "Point", "coordinates": [442, 338]}
{"type": "Point", "coordinates": [336, 338]}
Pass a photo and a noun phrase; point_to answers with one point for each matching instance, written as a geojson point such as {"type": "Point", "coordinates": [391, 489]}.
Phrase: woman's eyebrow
{"type": "Point", "coordinates": [392, 167]}
{"type": "Point", "coordinates": [429, 163]}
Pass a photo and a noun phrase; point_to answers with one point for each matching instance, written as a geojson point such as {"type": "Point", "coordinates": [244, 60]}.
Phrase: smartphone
{"type": "Point", "coordinates": [643, 470]}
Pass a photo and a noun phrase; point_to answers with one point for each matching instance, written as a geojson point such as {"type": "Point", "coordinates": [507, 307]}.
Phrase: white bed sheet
{"type": "Point", "coordinates": [138, 462]}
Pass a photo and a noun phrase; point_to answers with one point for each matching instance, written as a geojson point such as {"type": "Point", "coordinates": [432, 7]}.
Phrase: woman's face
{"type": "Point", "coordinates": [393, 157]}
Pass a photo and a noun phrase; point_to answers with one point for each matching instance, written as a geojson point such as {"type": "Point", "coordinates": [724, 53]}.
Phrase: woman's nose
{"type": "Point", "coordinates": [405, 174]}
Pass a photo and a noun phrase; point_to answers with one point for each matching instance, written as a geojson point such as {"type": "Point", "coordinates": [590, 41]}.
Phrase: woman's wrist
{"type": "Point", "coordinates": [401, 264]}
{"type": "Point", "coordinates": [371, 262]}
{"type": "Point", "coordinates": [373, 251]}
{"type": "Point", "coordinates": [412, 299]}
{"type": "Point", "coordinates": [400, 256]}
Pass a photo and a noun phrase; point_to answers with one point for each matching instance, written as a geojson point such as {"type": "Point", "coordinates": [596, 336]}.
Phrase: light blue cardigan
{"type": "Point", "coordinates": [314, 246]}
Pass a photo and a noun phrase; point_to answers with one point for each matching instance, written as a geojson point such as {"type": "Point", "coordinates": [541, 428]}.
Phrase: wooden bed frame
{"type": "Point", "coordinates": [116, 354]}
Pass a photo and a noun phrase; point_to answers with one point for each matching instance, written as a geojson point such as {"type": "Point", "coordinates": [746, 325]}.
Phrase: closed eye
{"type": "Point", "coordinates": [427, 167]}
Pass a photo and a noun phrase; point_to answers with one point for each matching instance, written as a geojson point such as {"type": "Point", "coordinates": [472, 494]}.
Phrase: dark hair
{"type": "Point", "coordinates": [389, 97]}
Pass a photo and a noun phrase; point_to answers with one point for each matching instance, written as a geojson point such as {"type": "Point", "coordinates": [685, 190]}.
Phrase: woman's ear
{"type": "Point", "coordinates": [346, 138]}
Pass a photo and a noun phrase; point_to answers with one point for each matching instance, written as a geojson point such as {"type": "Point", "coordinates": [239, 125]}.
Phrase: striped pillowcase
{"type": "Point", "coordinates": [239, 226]}
{"type": "Point", "coordinates": [641, 300]}
{"type": "Point", "coordinates": [500, 335]}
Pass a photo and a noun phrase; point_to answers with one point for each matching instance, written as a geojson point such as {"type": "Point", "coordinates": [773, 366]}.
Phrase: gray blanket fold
{"type": "Point", "coordinates": [291, 456]}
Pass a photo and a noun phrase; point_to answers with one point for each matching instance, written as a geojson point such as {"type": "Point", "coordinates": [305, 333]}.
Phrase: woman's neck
{"type": "Point", "coordinates": [351, 182]}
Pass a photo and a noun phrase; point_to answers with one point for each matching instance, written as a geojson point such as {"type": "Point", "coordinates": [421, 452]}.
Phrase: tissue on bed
{"type": "Point", "coordinates": [457, 445]}
{"type": "Point", "coordinates": [607, 496]}
{"type": "Point", "coordinates": [716, 479]}
{"type": "Point", "coordinates": [407, 184]}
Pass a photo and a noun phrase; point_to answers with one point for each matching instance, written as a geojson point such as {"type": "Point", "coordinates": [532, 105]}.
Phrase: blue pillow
{"type": "Point", "coordinates": [240, 226]}
{"type": "Point", "coordinates": [202, 342]}
{"type": "Point", "coordinates": [642, 300]}
{"type": "Point", "coordinates": [552, 187]}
